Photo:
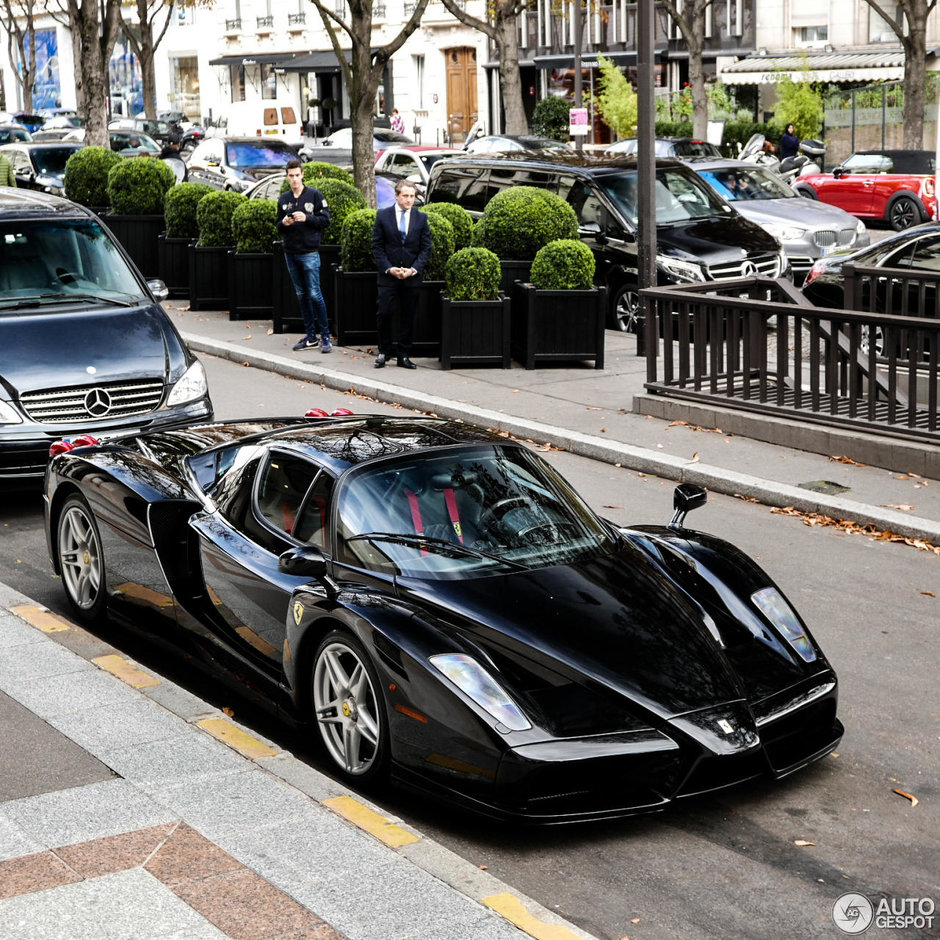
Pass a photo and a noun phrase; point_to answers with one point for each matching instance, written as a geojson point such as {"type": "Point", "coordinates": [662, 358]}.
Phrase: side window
{"type": "Point", "coordinates": [281, 489]}
{"type": "Point", "coordinates": [466, 187]}
{"type": "Point", "coordinates": [311, 524]}
{"type": "Point", "coordinates": [21, 162]}
{"type": "Point", "coordinates": [926, 255]}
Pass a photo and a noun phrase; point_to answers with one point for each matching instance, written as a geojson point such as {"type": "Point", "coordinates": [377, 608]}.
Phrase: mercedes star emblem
{"type": "Point", "coordinates": [97, 402]}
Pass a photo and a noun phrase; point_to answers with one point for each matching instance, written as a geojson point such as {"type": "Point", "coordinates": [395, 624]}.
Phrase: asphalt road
{"type": "Point", "coordinates": [764, 860]}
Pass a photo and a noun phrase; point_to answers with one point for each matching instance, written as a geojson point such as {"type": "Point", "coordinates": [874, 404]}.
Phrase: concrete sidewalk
{"type": "Point", "coordinates": [593, 413]}
{"type": "Point", "coordinates": [132, 810]}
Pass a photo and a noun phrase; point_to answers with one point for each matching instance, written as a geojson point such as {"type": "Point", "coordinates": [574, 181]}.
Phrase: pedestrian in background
{"type": "Point", "coordinates": [398, 122]}
{"type": "Point", "coordinates": [7, 176]}
{"type": "Point", "coordinates": [789, 143]}
{"type": "Point", "coordinates": [302, 214]}
{"type": "Point", "coordinates": [401, 246]}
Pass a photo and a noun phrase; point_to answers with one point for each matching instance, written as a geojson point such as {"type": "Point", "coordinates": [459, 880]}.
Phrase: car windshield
{"type": "Point", "coordinates": [482, 509]}
{"type": "Point", "coordinates": [694, 148]}
{"type": "Point", "coordinates": [680, 196]}
{"type": "Point", "coordinates": [50, 161]}
{"type": "Point", "coordinates": [747, 183]}
{"type": "Point", "coordinates": [11, 134]}
{"type": "Point", "coordinates": [60, 258]}
{"type": "Point", "coordinates": [248, 154]}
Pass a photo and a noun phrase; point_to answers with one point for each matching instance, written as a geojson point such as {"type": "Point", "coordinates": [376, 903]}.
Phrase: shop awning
{"type": "Point", "coordinates": [324, 61]}
{"type": "Point", "coordinates": [589, 59]}
{"type": "Point", "coordinates": [836, 66]}
{"type": "Point", "coordinates": [265, 58]}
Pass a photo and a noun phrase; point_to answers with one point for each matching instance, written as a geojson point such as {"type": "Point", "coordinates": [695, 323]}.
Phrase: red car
{"type": "Point", "coordinates": [895, 185]}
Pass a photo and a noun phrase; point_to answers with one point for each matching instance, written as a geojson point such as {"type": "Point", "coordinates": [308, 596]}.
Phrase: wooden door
{"type": "Point", "coordinates": [461, 92]}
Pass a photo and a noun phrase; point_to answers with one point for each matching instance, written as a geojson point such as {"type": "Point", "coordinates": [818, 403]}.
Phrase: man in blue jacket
{"type": "Point", "coordinates": [401, 245]}
{"type": "Point", "coordinates": [302, 214]}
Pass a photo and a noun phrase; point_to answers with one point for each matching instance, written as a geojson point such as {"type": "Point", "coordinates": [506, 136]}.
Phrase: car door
{"type": "Point", "coordinates": [284, 502]}
{"type": "Point", "coordinates": [854, 189]}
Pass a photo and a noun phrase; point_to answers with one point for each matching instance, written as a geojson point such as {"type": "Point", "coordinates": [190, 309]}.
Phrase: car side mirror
{"type": "Point", "coordinates": [839, 172]}
{"type": "Point", "coordinates": [305, 561]}
{"type": "Point", "coordinates": [159, 290]}
{"type": "Point", "coordinates": [685, 498]}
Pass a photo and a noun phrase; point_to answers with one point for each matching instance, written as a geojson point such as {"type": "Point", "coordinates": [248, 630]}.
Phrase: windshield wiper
{"type": "Point", "coordinates": [94, 298]}
{"type": "Point", "coordinates": [40, 300]}
{"type": "Point", "coordinates": [443, 545]}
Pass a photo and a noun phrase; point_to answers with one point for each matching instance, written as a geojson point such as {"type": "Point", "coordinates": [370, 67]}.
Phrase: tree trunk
{"type": "Point", "coordinates": [507, 41]}
{"type": "Point", "coordinates": [362, 105]}
{"type": "Point", "coordinates": [78, 74]}
{"type": "Point", "coordinates": [95, 74]}
{"type": "Point", "coordinates": [697, 72]}
{"type": "Point", "coordinates": [915, 59]}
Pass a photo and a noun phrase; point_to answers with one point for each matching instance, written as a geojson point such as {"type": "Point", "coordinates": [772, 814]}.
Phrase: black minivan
{"type": "Point", "coordinates": [698, 236]}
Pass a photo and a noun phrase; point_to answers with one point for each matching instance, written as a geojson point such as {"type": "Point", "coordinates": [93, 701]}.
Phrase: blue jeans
{"type": "Point", "coordinates": [304, 270]}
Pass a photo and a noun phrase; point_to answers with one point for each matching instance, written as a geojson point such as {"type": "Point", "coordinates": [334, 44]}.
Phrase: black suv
{"type": "Point", "coordinates": [87, 348]}
{"type": "Point", "coordinates": [699, 237]}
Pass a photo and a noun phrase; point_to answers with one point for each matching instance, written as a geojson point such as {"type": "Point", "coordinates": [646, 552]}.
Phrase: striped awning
{"type": "Point", "coordinates": [763, 68]}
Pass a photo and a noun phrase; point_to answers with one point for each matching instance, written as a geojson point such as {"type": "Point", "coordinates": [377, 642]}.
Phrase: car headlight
{"type": "Point", "coordinates": [8, 414]}
{"type": "Point", "coordinates": [476, 683]}
{"type": "Point", "coordinates": [191, 387]}
{"type": "Point", "coordinates": [769, 601]}
{"type": "Point", "coordinates": [860, 229]}
{"type": "Point", "coordinates": [784, 233]}
{"type": "Point", "coordinates": [681, 270]}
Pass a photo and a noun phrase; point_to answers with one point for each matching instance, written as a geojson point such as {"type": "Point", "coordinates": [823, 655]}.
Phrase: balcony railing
{"type": "Point", "coordinates": [265, 22]}
{"type": "Point", "coordinates": [296, 19]}
{"type": "Point", "coordinates": [232, 26]}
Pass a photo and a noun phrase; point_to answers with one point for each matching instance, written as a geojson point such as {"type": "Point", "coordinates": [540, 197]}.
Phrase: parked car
{"type": "Point", "coordinates": [508, 143]}
{"type": "Point", "coordinates": [160, 131]}
{"type": "Point", "coordinates": [699, 236]}
{"type": "Point", "coordinates": [897, 186]}
{"type": "Point", "coordinates": [413, 162]}
{"type": "Point", "coordinates": [57, 127]}
{"type": "Point", "coordinates": [681, 147]}
{"type": "Point", "coordinates": [13, 132]}
{"type": "Point", "coordinates": [86, 346]}
{"type": "Point", "coordinates": [40, 165]}
{"type": "Point", "coordinates": [29, 120]}
{"type": "Point", "coordinates": [128, 143]}
{"type": "Point", "coordinates": [382, 139]}
{"type": "Point", "coordinates": [916, 248]}
{"type": "Point", "coordinates": [807, 230]}
{"type": "Point", "coordinates": [270, 188]}
{"type": "Point", "coordinates": [409, 588]}
{"type": "Point", "coordinates": [237, 163]}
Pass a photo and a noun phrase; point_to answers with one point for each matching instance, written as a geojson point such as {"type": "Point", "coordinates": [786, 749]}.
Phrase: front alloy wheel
{"type": "Point", "coordinates": [625, 309]}
{"type": "Point", "coordinates": [80, 559]}
{"type": "Point", "coordinates": [347, 708]}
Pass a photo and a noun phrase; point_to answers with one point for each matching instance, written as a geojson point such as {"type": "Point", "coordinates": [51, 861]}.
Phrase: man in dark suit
{"type": "Point", "coordinates": [401, 245]}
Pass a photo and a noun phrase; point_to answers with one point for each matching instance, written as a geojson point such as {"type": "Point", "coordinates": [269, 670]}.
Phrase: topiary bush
{"type": "Point", "coordinates": [517, 222]}
{"type": "Point", "coordinates": [179, 209]}
{"type": "Point", "coordinates": [442, 246]}
{"type": "Point", "coordinates": [317, 170]}
{"type": "Point", "coordinates": [356, 241]}
{"type": "Point", "coordinates": [341, 199]}
{"type": "Point", "coordinates": [138, 186]}
{"type": "Point", "coordinates": [461, 221]}
{"type": "Point", "coordinates": [214, 218]}
{"type": "Point", "coordinates": [86, 175]}
{"type": "Point", "coordinates": [472, 274]}
{"type": "Point", "coordinates": [564, 264]}
{"type": "Point", "coordinates": [254, 226]}
{"type": "Point", "coordinates": [550, 118]}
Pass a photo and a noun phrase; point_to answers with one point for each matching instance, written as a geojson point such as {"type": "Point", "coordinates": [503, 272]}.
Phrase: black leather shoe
{"type": "Point", "coordinates": [405, 363]}
{"type": "Point", "coordinates": [380, 361]}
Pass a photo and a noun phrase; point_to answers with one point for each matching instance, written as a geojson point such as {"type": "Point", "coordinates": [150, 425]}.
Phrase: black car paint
{"type": "Point", "coordinates": [677, 649]}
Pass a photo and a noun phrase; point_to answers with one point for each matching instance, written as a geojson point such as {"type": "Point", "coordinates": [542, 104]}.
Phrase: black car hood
{"type": "Point", "coordinates": [62, 346]}
{"type": "Point", "coordinates": [714, 240]}
{"type": "Point", "coordinates": [617, 619]}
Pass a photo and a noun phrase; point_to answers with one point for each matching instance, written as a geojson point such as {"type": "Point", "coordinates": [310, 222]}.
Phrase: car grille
{"type": "Point", "coordinates": [93, 402]}
{"type": "Point", "coordinates": [829, 238]}
{"type": "Point", "coordinates": [766, 265]}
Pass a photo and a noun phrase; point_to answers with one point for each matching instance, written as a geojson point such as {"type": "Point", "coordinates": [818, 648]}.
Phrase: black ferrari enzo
{"type": "Point", "coordinates": [443, 607]}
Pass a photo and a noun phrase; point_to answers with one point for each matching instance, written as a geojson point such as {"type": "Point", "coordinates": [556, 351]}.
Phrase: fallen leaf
{"type": "Point", "coordinates": [802, 842]}
{"type": "Point", "coordinates": [228, 711]}
{"type": "Point", "coordinates": [747, 499]}
{"type": "Point", "coordinates": [928, 593]}
{"type": "Point", "coordinates": [907, 796]}
{"type": "Point", "coordinates": [677, 423]}
{"type": "Point", "coordinates": [609, 506]}
{"type": "Point", "coordinates": [603, 430]}
{"type": "Point", "coordinates": [246, 364]}
{"type": "Point", "coordinates": [271, 331]}
{"type": "Point", "coordinates": [854, 463]}
{"type": "Point", "coordinates": [484, 868]}
{"type": "Point", "coordinates": [635, 920]}
{"type": "Point", "coordinates": [694, 458]}
{"type": "Point", "coordinates": [903, 507]}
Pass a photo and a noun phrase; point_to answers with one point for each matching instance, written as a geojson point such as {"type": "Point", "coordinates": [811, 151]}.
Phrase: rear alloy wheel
{"type": "Point", "coordinates": [903, 213]}
{"type": "Point", "coordinates": [625, 309]}
{"type": "Point", "coordinates": [807, 192]}
{"type": "Point", "coordinates": [81, 562]}
{"type": "Point", "coordinates": [348, 709]}
{"type": "Point", "coordinates": [866, 335]}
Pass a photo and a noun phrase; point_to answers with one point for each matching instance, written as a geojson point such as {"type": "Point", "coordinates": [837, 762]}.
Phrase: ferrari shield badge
{"type": "Point", "coordinates": [298, 612]}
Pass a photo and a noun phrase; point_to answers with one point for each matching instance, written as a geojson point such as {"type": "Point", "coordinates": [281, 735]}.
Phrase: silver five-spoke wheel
{"type": "Point", "coordinates": [347, 708]}
{"type": "Point", "coordinates": [80, 559]}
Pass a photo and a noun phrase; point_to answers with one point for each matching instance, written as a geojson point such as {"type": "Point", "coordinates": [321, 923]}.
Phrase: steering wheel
{"type": "Point", "coordinates": [552, 532]}
{"type": "Point", "coordinates": [493, 515]}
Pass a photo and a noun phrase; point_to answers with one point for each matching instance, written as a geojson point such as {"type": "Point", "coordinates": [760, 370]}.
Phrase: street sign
{"type": "Point", "coordinates": [578, 122]}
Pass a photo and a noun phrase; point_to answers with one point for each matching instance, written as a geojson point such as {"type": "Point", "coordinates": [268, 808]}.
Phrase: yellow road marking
{"type": "Point", "coordinates": [45, 620]}
{"type": "Point", "coordinates": [150, 596]}
{"type": "Point", "coordinates": [126, 671]}
{"type": "Point", "coordinates": [243, 742]}
{"type": "Point", "coordinates": [510, 907]}
{"type": "Point", "coordinates": [365, 818]}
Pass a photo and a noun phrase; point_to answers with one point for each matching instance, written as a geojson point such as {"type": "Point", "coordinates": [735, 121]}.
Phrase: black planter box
{"type": "Point", "coordinates": [173, 262]}
{"type": "Point", "coordinates": [208, 277]}
{"type": "Point", "coordinates": [138, 235]}
{"type": "Point", "coordinates": [286, 313]}
{"type": "Point", "coordinates": [356, 298]}
{"type": "Point", "coordinates": [513, 271]}
{"type": "Point", "coordinates": [475, 332]}
{"type": "Point", "coordinates": [250, 287]}
{"type": "Point", "coordinates": [558, 325]}
{"type": "Point", "coordinates": [427, 335]}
